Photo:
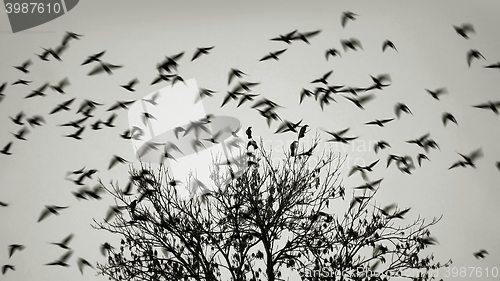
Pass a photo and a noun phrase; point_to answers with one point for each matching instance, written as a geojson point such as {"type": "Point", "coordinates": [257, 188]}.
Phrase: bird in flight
{"type": "Point", "coordinates": [323, 78]}
{"type": "Point", "coordinates": [495, 65]}
{"type": "Point", "coordinates": [50, 209]}
{"type": "Point", "coordinates": [130, 85]}
{"type": "Point", "coordinates": [361, 100]}
{"type": "Point", "coordinates": [468, 160]}
{"type": "Point", "coordinates": [64, 243]}
{"type": "Point", "coordinates": [21, 82]}
{"type": "Point", "coordinates": [489, 105]}
{"type": "Point", "coordinates": [379, 122]}
{"type": "Point", "coordinates": [351, 43]}
{"type": "Point", "coordinates": [464, 30]}
{"type": "Point", "coordinates": [401, 107]}
{"type": "Point", "coordinates": [81, 262]}
{"type": "Point", "coordinates": [347, 15]}
{"type": "Point", "coordinates": [59, 87]}
{"type": "Point", "coordinates": [20, 134]}
{"type": "Point", "coordinates": [388, 43]}
{"type": "Point", "coordinates": [234, 73]}
{"type": "Point", "coordinates": [474, 54]}
{"type": "Point", "coordinates": [7, 267]}
{"type": "Point", "coordinates": [448, 117]}
{"type": "Point", "coordinates": [92, 58]}
{"type": "Point", "coordinates": [273, 55]}
{"type": "Point", "coordinates": [63, 106]}
{"type": "Point", "coordinates": [15, 247]}
{"type": "Point", "coordinates": [103, 67]}
{"type": "Point", "coordinates": [70, 35]}
{"type": "Point", "coordinates": [38, 92]}
{"type": "Point", "coordinates": [76, 135]}
{"type": "Point", "coordinates": [332, 52]}
{"type": "Point", "coordinates": [24, 67]}
{"type": "Point", "coordinates": [115, 160]}
{"type": "Point", "coordinates": [287, 38]}
{"type": "Point", "coordinates": [480, 254]}
{"type": "Point", "coordinates": [5, 149]}
{"type": "Point", "coordinates": [201, 51]}
{"type": "Point", "coordinates": [304, 36]}
{"type": "Point", "coordinates": [436, 93]}
{"type": "Point", "coordinates": [380, 145]}
{"type": "Point", "coordinates": [338, 136]}
{"type": "Point", "coordinates": [170, 62]}
{"type": "Point", "coordinates": [62, 260]}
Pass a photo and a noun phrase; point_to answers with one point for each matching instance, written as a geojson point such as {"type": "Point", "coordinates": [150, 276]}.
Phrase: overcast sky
{"type": "Point", "coordinates": [139, 34]}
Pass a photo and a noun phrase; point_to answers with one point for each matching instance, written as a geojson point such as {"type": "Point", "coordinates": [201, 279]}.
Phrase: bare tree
{"type": "Point", "coordinates": [262, 218]}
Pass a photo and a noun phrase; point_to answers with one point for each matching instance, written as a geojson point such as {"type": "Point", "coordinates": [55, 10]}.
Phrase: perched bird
{"type": "Point", "coordinates": [468, 160]}
{"type": "Point", "coordinates": [233, 72]}
{"type": "Point", "coordinates": [347, 15]}
{"type": "Point", "coordinates": [489, 105]}
{"type": "Point", "coordinates": [323, 78]}
{"type": "Point", "coordinates": [378, 122]}
{"type": "Point", "coordinates": [81, 262]}
{"type": "Point", "coordinates": [293, 148]}
{"type": "Point", "coordinates": [361, 100]}
{"type": "Point", "coordinates": [103, 66]}
{"type": "Point", "coordinates": [273, 55]}
{"type": "Point", "coordinates": [436, 93]}
{"type": "Point", "coordinates": [50, 209]}
{"type": "Point", "coordinates": [332, 52]}
{"type": "Point", "coordinates": [94, 58]}
{"type": "Point", "coordinates": [62, 106]}
{"type": "Point", "coordinates": [480, 254]}
{"type": "Point", "coordinates": [130, 85]}
{"type": "Point", "coordinates": [64, 243]}
{"type": "Point", "coordinates": [24, 67]}
{"type": "Point", "coordinates": [201, 51]}
{"type": "Point", "coordinates": [388, 43]}
{"type": "Point", "coordinates": [62, 260]}
{"type": "Point", "coordinates": [464, 29]}
{"type": "Point", "coordinates": [302, 132]}
{"type": "Point", "coordinates": [6, 148]}
{"type": "Point", "coordinates": [305, 35]}
{"type": "Point", "coordinates": [249, 132]}
{"type": "Point", "coordinates": [287, 38]}
{"type": "Point", "coordinates": [15, 247]}
{"type": "Point", "coordinates": [351, 43]}
{"type": "Point", "coordinates": [59, 87]}
{"type": "Point", "coordinates": [380, 145]}
{"type": "Point", "coordinates": [106, 248]}
{"type": "Point", "coordinates": [448, 117]}
{"type": "Point", "coordinates": [401, 107]}
{"type": "Point", "coordinates": [474, 54]}
{"type": "Point", "coordinates": [115, 161]}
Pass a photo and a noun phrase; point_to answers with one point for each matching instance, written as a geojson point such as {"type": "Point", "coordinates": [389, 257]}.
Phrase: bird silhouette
{"type": "Point", "coordinates": [246, 97]}
{"type": "Point", "coordinates": [76, 124]}
{"type": "Point", "coordinates": [115, 160]}
{"type": "Point", "coordinates": [64, 243]}
{"type": "Point", "coordinates": [104, 67]}
{"type": "Point", "coordinates": [15, 247]}
{"type": "Point", "coordinates": [249, 132]}
{"type": "Point", "coordinates": [293, 148]}
{"type": "Point", "coordinates": [113, 211]}
{"type": "Point", "coordinates": [130, 85]}
{"type": "Point", "coordinates": [93, 58]}
{"type": "Point", "coordinates": [230, 96]}
{"type": "Point", "coordinates": [305, 35]}
{"type": "Point", "coordinates": [489, 105]}
{"type": "Point", "coordinates": [38, 92]}
{"type": "Point", "coordinates": [121, 104]}
{"type": "Point", "coordinates": [81, 262]}
{"type": "Point", "coordinates": [106, 248]}
{"type": "Point", "coordinates": [273, 55]}
{"type": "Point", "coordinates": [380, 145]}
{"type": "Point", "coordinates": [436, 93]}
{"type": "Point", "coordinates": [109, 121]}
{"type": "Point", "coordinates": [448, 117]}
{"type": "Point", "coordinates": [401, 107]}
{"type": "Point", "coordinates": [50, 209]}
{"type": "Point", "coordinates": [287, 38]}
{"type": "Point", "coordinates": [76, 135]}
{"type": "Point", "coordinates": [62, 261]}
{"type": "Point", "coordinates": [323, 78]}
{"type": "Point", "coordinates": [346, 16]}
{"type": "Point", "coordinates": [474, 54]}
{"type": "Point", "coordinates": [332, 52]}
{"type": "Point", "coordinates": [59, 87]}
{"type": "Point", "coordinates": [495, 65]}
{"type": "Point", "coordinates": [20, 134]}
{"type": "Point", "coordinates": [6, 148]}
{"type": "Point", "coordinates": [370, 185]}
{"type": "Point", "coordinates": [302, 132]}
{"type": "Point", "coordinates": [351, 43]}
{"type": "Point", "coordinates": [464, 29]}
{"type": "Point", "coordinates": [388, 43]}
{"type": "Point", "coordinates": [24, 66]}
{"type": "Point", "coordinates": [234, 72]}
{"type": "Point", "coordinates": [359, 102]}
{"type": "Point", "coordinates": [468, 160]}
{"type": "Point", "coordinates": [379, 122]}
{"type": "Point", "coordinates": [70, 36]}
{"type": "Point", "coordinates": [35, 120]}
{"type": "Point", "coordinates": [146, 116]}
{"type": "Point", "coordinates": [7, 267]}
{"type": "Point", "coordinates": [202, 93]}
{"type": "Point", "coordinates": [170, 63]}
{"type": "Point", "coordinates": [201, 51]}
{"type": "Point", "coordinates": [420, 157]}
{"type": "Point", "coordinates": [3, 204]}
{"type": "Point", "coordinates": [62, 106]}
{"type": "Point", "coordinates": [378, 82]}
{"type": "Point", "coordinates": [338, 136]}
{"type": "Point", "coordinates": [480, 254]}
{"type": "Point", "coordinates": [19, 82]}
{"type": "Point", "coordinates": [153, 99]}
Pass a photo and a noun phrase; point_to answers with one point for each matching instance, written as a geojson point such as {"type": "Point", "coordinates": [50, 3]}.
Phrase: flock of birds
{"type": "Point", "coordinates": [241, 93]}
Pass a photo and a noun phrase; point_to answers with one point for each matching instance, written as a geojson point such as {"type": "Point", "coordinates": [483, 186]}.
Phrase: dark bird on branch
{"type": "Point", "coordinates": [273, 55]}
{"type": "Point", "coordinates": [249, 132]}
{"type": "Point", "coordinates": [201, 51]}
{"type": "Point", "coordinates": [302, 132]}
{"type": "Point", "coordinates": [293, 148]}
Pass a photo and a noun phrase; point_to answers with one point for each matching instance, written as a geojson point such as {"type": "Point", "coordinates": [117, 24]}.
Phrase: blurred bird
{"type": "Point", "coordinates": [38, 92]}
{"type": "Point", "coordinates": [361, 100]}
{"type": "Point", "coordinates": [388, 43]}
{"type": "Point", "coordinates": [370, 185]}
{"type": "Point", "coordinates": [380, 145]}
{"type": "Point", "coordinates": [106, 248]}
{"type": "Point", "coordinates": [230, 95]}
{"type": "Point", "coordinates": [480, 254]}
{"type": "Point", "coordinates": [6, 148]}
{"type": "Point", "coordinates": [75, 124]}
{"type": "Point", "coordinates": [421, 156]}
{"type": "Point", "coordinates": [19, 82]}
{"type": "Point", "coordinates": [62, 106]}
{"type": "Point", "coordinates": [401, 107]}
{"type": "Point", "coordinates": [273, 55]}
{"type": "Point", "coordinates": [420, 141]}
{"type": "Point", "coordinates": [347, 15]}
{"type": "Point", "coordinates": [379, 122]}
{"type": "Point", "coordinates": [103, 66]}
{"type": "Point", "coordinates": [495, 65]}
{"type": "Point", "coordinates": [285, 38]}
{"type": "Point", "coordinates": [323, 78]}
{"type": "Point", "coordinates": [306, 35]}
{"type": "Point", "coordinates": [436, 93]}
{"type": "Point", "coordinates": [246, 97]}
{"type": "Point", "coordinates": [351, 43]}
{"type": "Point", "coordinates": [3, 204]}
{"type": "Point", "coordinates": [448, 117]}
{"type": "Point", "coordinates": [201, 51]}
{"type": "Point", "coordinates": [92, 58]}
{"type": "Point", "coordinates": [293, 148]}
{"type": "Point", "coordinates": [15, 247]}
{"type": "Point", "coordinates": [202, 92]}
{"type": "Point", "coordinates": [468, 159]}
{"type": "Point", "coordinates": [70, 35]}
{"type": "Point", "coordinates": [489, 105]}
{"type": "Point", "coordinates": [378, 82]}
{"type": "Point", "coordinates": [62, 260]}
{"type": "Point", "coordinates": [20, 134]}
{"type": "Point", "coordinates": [76, 135]}
{"type": "Point", "coordinates": [24, 67]}
{"type": "Point", "coordinates": [64, 243]}
{"type": "Point", "coordinates": [162, 77]}
{"type": "Point", "coordinates": [17, 119]}
{"type": "Point", "coordinates": [464, 29]}
{"type": "Point", "coordinates": [130, 85]}
{"type": "Point", "coordinates": [50, 209]}
{"type": "Point", "coordinates": [35, 120]}
{"type": "Point", "coordinates": [121, 104]}
{"type": "Point", "coordinates": [332, 52]}
{"type": "Point", "coordinates": [234, 73]}
{"type": "Point", "coordinates": [59, 87]}
{"type": "Point", "coordinates": [115, 160]}
{"type": "Point", "coordinates": [338, 136]}
{"type": "Point", "coordinates": [170, 63]}
{"type": "Point", "coordinates": [474, 54]}
{"type": "Point", "coordinates": [7, 267]}
{"type": "Point", "coordinates": [81, 262]}
{"type": "Point", "coordinates": [2, 88]}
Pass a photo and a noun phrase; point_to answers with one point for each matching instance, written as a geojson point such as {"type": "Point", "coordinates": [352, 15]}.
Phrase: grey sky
{"type": "Point", "coordinates": [139, 34]}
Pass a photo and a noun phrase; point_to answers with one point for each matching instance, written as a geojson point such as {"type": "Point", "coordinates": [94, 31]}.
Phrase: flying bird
{"type": "Point", "coordinates": [489, 105]}
{"type": "Point", "coordinates": [201, 51]}
{"type": "Point", "coordinates": [103, 67]}
{"type": "Point", "coordinates": [338, 136]}
{"type": "Point", "coordinates": [121, 104]}
{"type": "Point", "coordinates": [81, 262]}
{"type": "Point", "coordinates": [130, 85]}
{"type": "Point", "coordinates": [480, 254]}
{"type": "Point", "coordinates": [15, 247]}
{"type": "Point", "coordinates": [380, 145]}
{"type": "Point", "coordinates": [361, 100]}
{"type": "Point", "coordinates": [94, 58]}
{"type": "Point", "coordinates": [468, 160]}
{"type": "Point", "coordinates": [474, 54]}
{"type": "Point", "coordinates": [50, 209]}
{"type": "Point", "coordinates": [273, 55]}
{"type": "Point", "coordinates": [370, 185]}
{"type": "Point", "coordinates": [5, 149]}
{"type": "Point", "coordinates": [38, 92]}
{"type": "Point", "coordinates": [347, 15]}
{"type": "Point", "coordinates": [234, 73]}
{"type": "Point", "coordinates": [304, 36]}
{"type": "Point", "coordinates": [20, 82]}
{"type": "Point", "coordinates": [76, 135]}
{"type": "Point", "coordinates": [495, 65]}
{"type": "Point", "coordinates": [115, 160]}
{"type": "Point", "coordinates": [204, 93]}
{"type": "Point", "coordinates": [464, 30]}
{"type": "Point", "coordinates": [24, 67]}
{"type": "Point", "coordinates": [287, 38]}
{"type": "Point", "coordinates": [323, 78]}
{"type": "Point", "coordinates": [7, 267]}
{"type": "Point", "coordinates": [378, 122]}
{"type": "Point", "coordinates": [69, 36]}
{"type": "Point", "coordinates": [59, 87]}
{"type": "Point", "coordinates": [420, 157]}
{"type": "Point", "coordinates": [332, 52]}
{"type": "Point", "coordinates": [351, 43]}
{"type": "Point", "coordinates": [62, 260]}
{"type": "Point", "coordinates": [388, 43]}
{"type": "Point", "coordinates": [62, 106]}
{"type": "Point", "coordinates": [35, 120]}
{"type": "Point", "coordinates": [448, 117]}
{"type": "Point", "coordinates": [401, 107]}
{"type": "Point", "coordinates": [436, 93]}
{"type": "Point", "coordinates": [170, 63]}
{"type": "Point", "coordinates": [64, 243]}
{"type": "Point", "coordinates": [20, 134]}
